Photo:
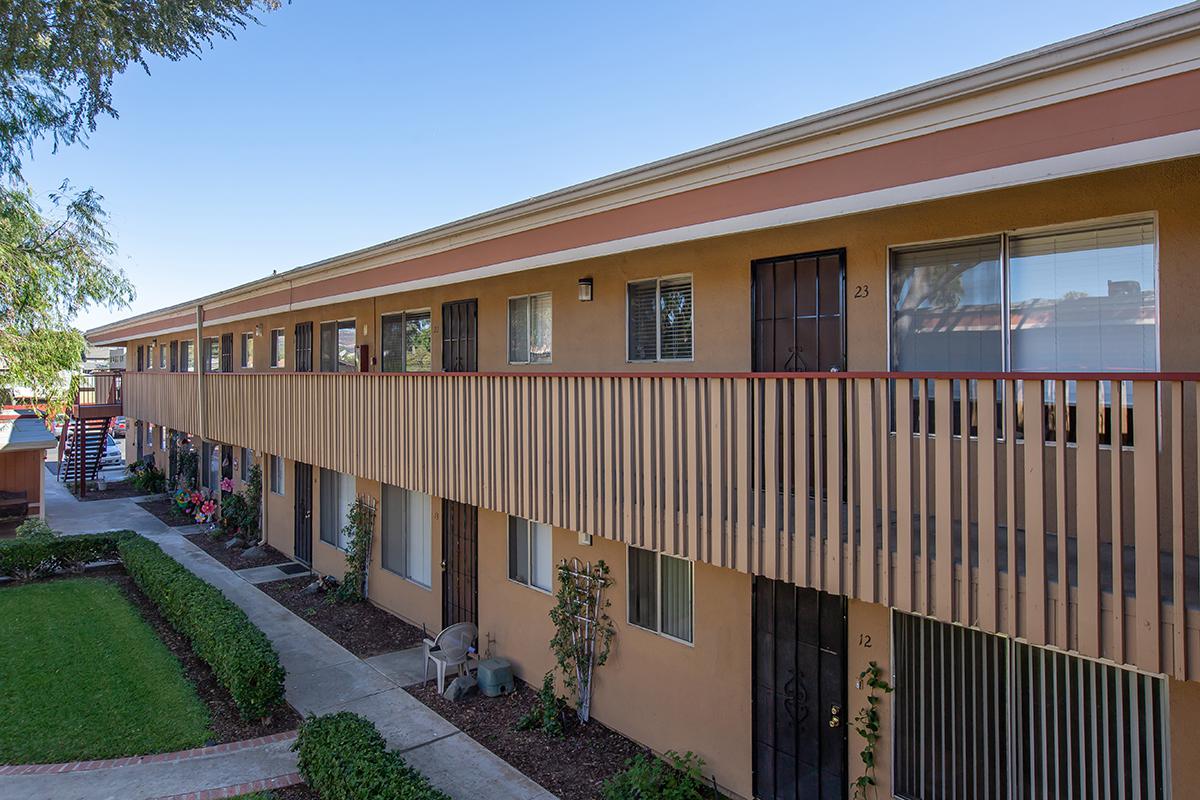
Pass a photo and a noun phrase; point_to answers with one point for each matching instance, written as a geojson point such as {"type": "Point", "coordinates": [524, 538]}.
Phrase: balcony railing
{"type": "Point", "coordinates": [801, 477]}
{"type": "Point", "coordinates": [99, 393]}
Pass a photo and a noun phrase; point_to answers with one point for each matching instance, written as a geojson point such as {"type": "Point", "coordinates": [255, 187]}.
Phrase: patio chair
{"type": "Point", "coordinates": [449, 648]}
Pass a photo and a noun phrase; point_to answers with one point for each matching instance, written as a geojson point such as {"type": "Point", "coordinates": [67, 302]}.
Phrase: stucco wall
{"type": "Point", "coordinates": [663, 693]}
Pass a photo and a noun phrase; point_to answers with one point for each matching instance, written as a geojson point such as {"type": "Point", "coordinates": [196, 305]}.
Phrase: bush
{"type": "Point", "coordinates": [38, 552]}
{"type": "Point", "coordinates": [547, 712]}
{"type": "Point", "coordinates": [35, 528]}
{"type": "Point", "coordinates": [146, 477]}
{"type": "Point", "coordinates": [241, 656]}
{"type": "Point", "coordinates": [343, 756]}
{"type": "Point", "coordinates": [649, 778]}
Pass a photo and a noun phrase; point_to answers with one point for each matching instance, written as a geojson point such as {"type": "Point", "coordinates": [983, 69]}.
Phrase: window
{"type": "Point", "coordinates": [244, 464]}
{"type": "Point", "coordinates": [210, 465]}
{"type": "Point", "coordinates": [660, 593]}
{"type": "Point", "coordinates": [988, 717]}
{"type": "Point", "coordinates": [149, 356]}
{"type": "Point", "coordinates": [406, 342]}
{"type": "Point", "coordinates": [337, 496]}
{"type": "Point", "coordinates": [187, 355]}
{"type": "Point", "coordinates": [162, 356]}
{"type": "Point", "coordinates": [529, 323]}
{"type": "Point", "coordinates": [1080, 300]}
{"type": "Point", "coordinates": [212, 355]}
{"type": "Point", "coordinates": [162, 440]}
{"type": "Point", "coordinates": [151, 440]}
{"type": "Point", "coordinates": [247, 351]}
{"type": "Point", "coordinates": [529, 553]}
{"type": "Point", "coordinates": [659, 314]}
{"type": "Point", "coordinates": [339, 351]}
{"type": "Point", "coordinates": [407, 534]}
{"type": "Point", "coordinates": [278, 348]}
{"type": "Point", "coordinates": [277, 474]}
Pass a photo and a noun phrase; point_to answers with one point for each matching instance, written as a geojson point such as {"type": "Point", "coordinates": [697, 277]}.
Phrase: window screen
{"type": "Point", "coordinates": [529, 329]}
{"type": "Point", "coordinates": [643, 588]}
{"type": "Point", "coordinates": [247, 350]}
{"type": "Point", "coordinates": [643, 321]}
{"type": "Point", "coordinates": [407, 534]}
{"type": "Point", "coordinates": [406, 342]}
{"type": "Point", "coordinates": [530, 556]}
{"type": "Point", "coordinates": [337, 495]}
{"type": "Point", "coordinates": [278, 348]}
{"type": "Point", "coordinates": [392, 337]}
{"type": "Point", "coordinates": [277, 476]}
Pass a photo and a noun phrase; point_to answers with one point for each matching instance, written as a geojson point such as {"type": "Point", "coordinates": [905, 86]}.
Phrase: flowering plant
{"type": "Point", "coordinates": [226, 484]}
{"type": "Point", "coordinates": [205, 511]}
{"type": "Point", "coordinates": [197, 504]}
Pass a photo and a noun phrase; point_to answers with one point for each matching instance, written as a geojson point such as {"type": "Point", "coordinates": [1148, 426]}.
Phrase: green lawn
{"type": "Point", "coordinates": [83, 677]}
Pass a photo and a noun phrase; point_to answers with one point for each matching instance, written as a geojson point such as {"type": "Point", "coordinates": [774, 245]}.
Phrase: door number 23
{"type": "Point", "coordinates": [862, 290]}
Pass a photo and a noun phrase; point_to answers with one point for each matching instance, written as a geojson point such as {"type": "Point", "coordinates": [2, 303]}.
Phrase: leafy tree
{"type": "Point", "coordinates": [58, 58]}
{"type": "Point", "coordinates": [57, 63]}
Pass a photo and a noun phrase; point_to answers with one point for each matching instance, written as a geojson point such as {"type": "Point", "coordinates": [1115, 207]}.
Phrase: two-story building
{"type": "Point", "coordinates": [913, 381]}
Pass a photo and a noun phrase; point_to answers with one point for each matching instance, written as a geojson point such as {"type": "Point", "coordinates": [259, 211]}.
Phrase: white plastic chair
{"type": "Point", "coordinates": [449, 649]}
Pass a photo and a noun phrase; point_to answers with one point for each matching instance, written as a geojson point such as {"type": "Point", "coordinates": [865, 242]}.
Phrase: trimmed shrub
{"type": "Point", "coordinates": [38, 552]}
{"type": "Point", "coordinates": [241, 656]}
{"type": "Point", "coordinates": [342, 756]}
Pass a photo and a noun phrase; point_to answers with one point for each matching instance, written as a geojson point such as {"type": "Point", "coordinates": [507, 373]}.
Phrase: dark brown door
{"type": "Point", "coordinates": [460, 563]}
{"type": "Point", "coordinates": [174, 356]}
{"type": "Point", "coordinates": [798, 305]}
{"type": "Point", "coordinates": [799, 669]}
{"type": "Point", "coordinates": [302, 488]}
{"type": "Point", "coordinates": [140, 360]}
{"type": "Point", "coordinates": [304, 342]}
{"type": "Point", "coordinates": [459, 341]}
{"type": "Point", "coordinates": [226, 352]}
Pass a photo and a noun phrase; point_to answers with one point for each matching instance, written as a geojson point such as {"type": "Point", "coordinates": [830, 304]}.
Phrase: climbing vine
{"type": "Point", "coordinates": [360, 526]}
{"type": "Point", "coordinates": [583, 631]}
{"type": "Point", "coordinates": [868, 724]}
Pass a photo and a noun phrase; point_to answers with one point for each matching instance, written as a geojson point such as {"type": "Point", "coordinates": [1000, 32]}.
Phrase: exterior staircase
{"type": "Point", "coordinates": [80, 448]}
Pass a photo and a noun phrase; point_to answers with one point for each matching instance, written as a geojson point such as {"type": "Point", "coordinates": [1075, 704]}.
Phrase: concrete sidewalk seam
{"type": "Point", "coordinates": [151, 758]}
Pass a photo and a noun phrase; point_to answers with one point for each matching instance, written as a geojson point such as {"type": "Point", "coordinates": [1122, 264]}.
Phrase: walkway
{"type": "Point", "coordinates": [323, 677]}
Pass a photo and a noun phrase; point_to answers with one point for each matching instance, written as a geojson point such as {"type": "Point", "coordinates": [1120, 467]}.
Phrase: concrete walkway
{"type": "Point", "coordinates": [323, 677]}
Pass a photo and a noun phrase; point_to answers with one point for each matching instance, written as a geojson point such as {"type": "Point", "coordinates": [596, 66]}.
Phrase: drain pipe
{"type": "Point", "coordinates": [199, 360]}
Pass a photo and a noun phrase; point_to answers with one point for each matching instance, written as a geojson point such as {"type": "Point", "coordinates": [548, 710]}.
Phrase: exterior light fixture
{"type": "Point", "coordinates": [585, 290]}
{"type": "Point", "coordinates": [258, 330]}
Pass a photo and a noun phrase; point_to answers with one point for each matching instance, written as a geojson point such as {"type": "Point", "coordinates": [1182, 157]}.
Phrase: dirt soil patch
{"type": "Point", "coordinates": [114, 491]}
{"type": "Point", "coordinates": [234, 557]}
{"type": "Point", "coordinates": [226, 723]}
{"type": "Point", "coordinates": [361, 628]}
{"type": "Point", "coordinates": [165, 509]}
{"type": "Point", "coordinates": [573, 766]}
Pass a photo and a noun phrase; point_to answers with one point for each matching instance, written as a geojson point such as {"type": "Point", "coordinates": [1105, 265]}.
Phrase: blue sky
{"type": "Point", "coordinates": [335, 125]}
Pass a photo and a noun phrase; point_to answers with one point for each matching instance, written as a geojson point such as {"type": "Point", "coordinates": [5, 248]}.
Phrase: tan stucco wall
{"type": "Point", "coordinates": [868, 638]}
{"type": "Point", "coordinates": [280, 510]}
{"type": "Point", "coordinates": [416, 604]}
{"type": "Point", "coordinates": [591, 336]}
{"type": "Point", "coordinates": [1184, 715]}
{"type": "Point", "coordinates": [662, 693]}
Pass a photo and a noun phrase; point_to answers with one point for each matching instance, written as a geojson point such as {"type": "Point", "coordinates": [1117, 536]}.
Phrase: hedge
{"type": "Point", "coordinates": [26, 559]}
{"type": "Point", "coordinates": [241, 656]}
{"type": "Point", "coordinates": [342, 756]}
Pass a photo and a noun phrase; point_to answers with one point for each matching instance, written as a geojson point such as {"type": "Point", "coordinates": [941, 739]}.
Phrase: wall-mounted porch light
{"type": "Point", "coordinates": [258, 330]}
{"type": "Point", "coordinates": [585, 290]}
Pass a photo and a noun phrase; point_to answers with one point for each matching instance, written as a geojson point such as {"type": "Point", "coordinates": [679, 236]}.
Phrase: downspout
{"type": "Point", "coordinates": [199, 356]}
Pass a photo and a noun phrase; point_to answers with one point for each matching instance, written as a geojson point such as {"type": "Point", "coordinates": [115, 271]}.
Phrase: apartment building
{"type": "Point", "coordinates": [912, 382]}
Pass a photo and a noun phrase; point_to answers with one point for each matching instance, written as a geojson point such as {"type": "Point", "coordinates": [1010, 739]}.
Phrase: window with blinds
{"type": "Point", "coordinates": [1073, 300]}
{"type": "Point", "coordinates": [406, 342]}
{"type": "Point", "coordinates": [529, 329]}
{"type": "Point", "coordinates": [660, 593]}
{"type": "Point", "coordinates": [987, 717]}
{"type": "Point", "coordinates": [407, 534]}
{"type": "Point", "coordinates": [530, 557]}
{"type": "Point", "coordinates": [1084, 300]}
{"type": "Point", "coordinates": [660, 319]}
{"type": "Point", "coordinates": [278, 348]}
{"type": "Point", "coordinates": [212, 355]}
{"type": "Point", "coordinates": [337, 496]}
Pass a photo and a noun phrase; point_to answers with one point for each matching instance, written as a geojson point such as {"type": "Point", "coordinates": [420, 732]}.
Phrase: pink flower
{"type": "Point", "coordinates": [195, 498]}
{"type": "Point", "coordinates": [208, 508]}
{"type": "Point", "coordinates": [226, 484]}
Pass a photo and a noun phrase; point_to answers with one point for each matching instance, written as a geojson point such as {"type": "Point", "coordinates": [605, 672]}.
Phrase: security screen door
{"type": "Point", "coordinates": [799, 669]}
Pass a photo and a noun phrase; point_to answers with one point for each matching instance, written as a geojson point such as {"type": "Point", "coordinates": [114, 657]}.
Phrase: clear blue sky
{"type": "Point", "coordinates": [335, 125]}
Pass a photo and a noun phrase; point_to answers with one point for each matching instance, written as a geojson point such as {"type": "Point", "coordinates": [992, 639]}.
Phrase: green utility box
{"type": "Point", "coordinates": [495, 677]}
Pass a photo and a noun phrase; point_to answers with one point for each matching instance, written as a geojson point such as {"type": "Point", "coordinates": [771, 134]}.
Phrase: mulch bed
{"type": "Point", "coordinates": [113, 492]}
{"type": "Point", "coordinates": [226, 723]}
{"type": "Point", "coordinates": [165, 509]}
{"type": "Point", "coordinates": [361, 628]}
{"type": "Point", "coordinates": [573, 766]}
{"type": "Point", "coordinates": [300, 791]}
{"type": "Point", "coordinates": [234, 557]}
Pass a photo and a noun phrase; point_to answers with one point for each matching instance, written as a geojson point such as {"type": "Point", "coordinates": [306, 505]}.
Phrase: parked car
{"type": "Point", "coordinates": [112, 453]}
{"type": "Point", "coordinates": [57, 425]}
{"type": "Point", "coordinates": [119, 427]}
